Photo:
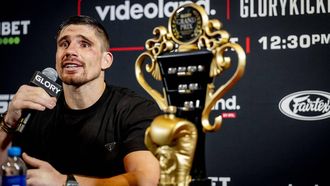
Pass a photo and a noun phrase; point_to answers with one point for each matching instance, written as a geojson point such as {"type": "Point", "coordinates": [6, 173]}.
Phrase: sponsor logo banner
{"type": "Point", "coordinates": [309, 105]}
{"type": "Point", "coordinates": [12, 31]}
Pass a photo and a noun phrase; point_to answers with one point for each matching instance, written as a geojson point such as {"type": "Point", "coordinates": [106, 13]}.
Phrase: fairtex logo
{"type": "Point", "coordinates": [307, 105]}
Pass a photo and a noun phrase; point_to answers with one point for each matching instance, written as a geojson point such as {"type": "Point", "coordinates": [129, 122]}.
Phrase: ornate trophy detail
{"type": "Point", "coordinates": [173, 142]}
{"type": "Point", "coordinates": [187, 57]}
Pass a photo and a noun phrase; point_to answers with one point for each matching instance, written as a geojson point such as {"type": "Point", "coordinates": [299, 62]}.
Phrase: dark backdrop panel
{"type": "Point", "coordinates": [286, 54]}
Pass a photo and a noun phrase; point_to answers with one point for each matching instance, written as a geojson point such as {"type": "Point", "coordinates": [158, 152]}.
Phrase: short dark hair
{"type": "Point", "coordinates": [86, 20]}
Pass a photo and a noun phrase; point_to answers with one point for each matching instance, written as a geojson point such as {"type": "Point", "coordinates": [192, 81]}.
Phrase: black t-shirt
{"type": "Point", "coordinates": [92, 141]}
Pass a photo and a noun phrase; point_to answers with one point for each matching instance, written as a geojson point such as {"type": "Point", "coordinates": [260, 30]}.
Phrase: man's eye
{"type": "Point", "coordinates": [64, 44]}
{"type": "Point", "coordinates": [85, 44]}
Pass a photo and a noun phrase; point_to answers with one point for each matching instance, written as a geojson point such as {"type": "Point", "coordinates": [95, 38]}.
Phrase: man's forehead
{"type": "Point", "coordinates": [78, 30]}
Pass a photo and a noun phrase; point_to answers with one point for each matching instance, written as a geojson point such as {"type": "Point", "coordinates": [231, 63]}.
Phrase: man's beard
{"type": "Point", "coordinates": [75, 81]}
{"type": "Point", "coordinates": [78, 81]}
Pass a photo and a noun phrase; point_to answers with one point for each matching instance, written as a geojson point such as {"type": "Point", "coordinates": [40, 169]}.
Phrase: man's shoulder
{"type": "Point", "coordinates": [126, 97]}
{"type": "Point", "coordinates": [123, 91]}
{"type": "Point", "coordinates": [124, 94]}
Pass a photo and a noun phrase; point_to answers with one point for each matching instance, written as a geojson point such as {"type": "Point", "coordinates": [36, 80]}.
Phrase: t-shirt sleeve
{"type": "Point", "coordinates": [137, 117]}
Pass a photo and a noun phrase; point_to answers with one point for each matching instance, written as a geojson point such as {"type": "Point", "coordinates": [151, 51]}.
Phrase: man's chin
{"type": "Point", "coordinates": [73, 82]}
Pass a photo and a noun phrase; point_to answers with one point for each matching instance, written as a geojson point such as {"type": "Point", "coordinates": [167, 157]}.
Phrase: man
{"type": "Point", "coordinates": [94, 132]}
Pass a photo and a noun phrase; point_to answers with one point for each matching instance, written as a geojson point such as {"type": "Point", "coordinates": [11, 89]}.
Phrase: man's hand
{"type": "Point", "coordinates": [42, 173]}
{"type": "Point", "coordinates": [28, 97]}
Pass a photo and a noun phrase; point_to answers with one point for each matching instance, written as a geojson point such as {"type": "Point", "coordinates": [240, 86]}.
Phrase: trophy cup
{"type": "Point", "coordinates": [186, 57]}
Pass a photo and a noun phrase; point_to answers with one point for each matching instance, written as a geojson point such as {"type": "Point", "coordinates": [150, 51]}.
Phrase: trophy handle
{"type": "Point", "coordinates": [212, 98]}
{"type": "Point", "coordinates": [154, 69]}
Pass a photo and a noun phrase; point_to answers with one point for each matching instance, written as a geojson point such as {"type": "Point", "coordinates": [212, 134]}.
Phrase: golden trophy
{"type": "Point", "coordinates": [186, 57]}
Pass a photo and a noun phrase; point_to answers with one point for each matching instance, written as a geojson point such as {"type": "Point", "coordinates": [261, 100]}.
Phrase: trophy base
{"type": "Point", "coordinates": [199, 182]}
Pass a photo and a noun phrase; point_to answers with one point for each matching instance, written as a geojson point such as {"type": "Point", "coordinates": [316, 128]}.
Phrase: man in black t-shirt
{"type": "Point", "coordinates": [93, 134]}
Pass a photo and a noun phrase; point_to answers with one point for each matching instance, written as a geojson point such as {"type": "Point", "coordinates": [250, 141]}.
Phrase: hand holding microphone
{"type": "Point", "coordinates": [47, 80]}
{"type": "Point", "coordinates": [41, 93]}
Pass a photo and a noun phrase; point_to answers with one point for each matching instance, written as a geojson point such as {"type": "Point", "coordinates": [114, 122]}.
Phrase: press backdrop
{"type": "Point", "coordinates": [276, 128]}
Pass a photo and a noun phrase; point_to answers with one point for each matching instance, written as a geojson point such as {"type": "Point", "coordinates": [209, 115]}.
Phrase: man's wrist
{"type": "Point", "coordinates": [4, 126]}
{"type": "Point", "coordinates": [71, 181]}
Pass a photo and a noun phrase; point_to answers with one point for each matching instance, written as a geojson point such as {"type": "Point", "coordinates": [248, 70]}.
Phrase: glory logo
{"type": "Point", "coordinates": [47, 84]}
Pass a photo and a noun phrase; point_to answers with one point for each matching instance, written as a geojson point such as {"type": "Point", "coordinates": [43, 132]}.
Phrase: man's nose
{"type": "Point", "coordinates": [71, 50]}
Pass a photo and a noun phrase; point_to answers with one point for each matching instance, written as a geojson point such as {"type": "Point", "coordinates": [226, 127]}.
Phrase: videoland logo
{"type": "Point", "coordinates": [151, 10]}
{"type": "Point", "coordinates": [309, 105]}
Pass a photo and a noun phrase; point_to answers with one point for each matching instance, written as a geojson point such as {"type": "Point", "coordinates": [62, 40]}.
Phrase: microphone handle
{"type": "Point", "coordinates": [26, 115]}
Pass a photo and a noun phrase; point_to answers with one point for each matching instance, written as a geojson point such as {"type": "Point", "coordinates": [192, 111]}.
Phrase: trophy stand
{"type": "Point", "coordinates": [186, 57]}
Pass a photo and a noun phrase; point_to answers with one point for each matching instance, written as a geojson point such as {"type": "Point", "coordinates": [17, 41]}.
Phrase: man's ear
{"type": "Point", "coordinates": [107, 60]}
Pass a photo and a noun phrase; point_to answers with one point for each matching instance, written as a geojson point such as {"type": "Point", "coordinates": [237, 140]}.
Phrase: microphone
{"type": "Point", "coordinates": [46, 80]}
